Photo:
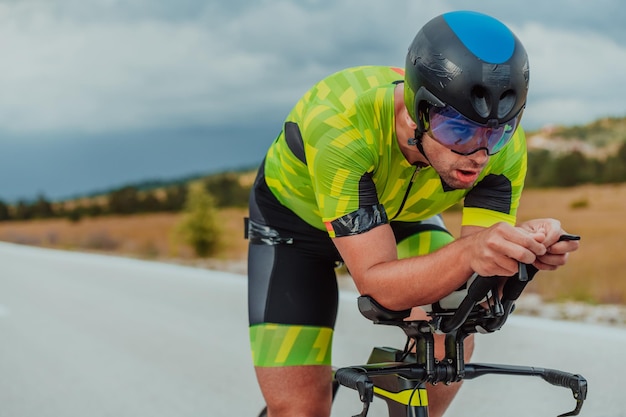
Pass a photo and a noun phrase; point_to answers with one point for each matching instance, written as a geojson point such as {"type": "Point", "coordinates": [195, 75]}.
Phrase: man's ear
{"type": "Point", "coordinates": [409, 121]}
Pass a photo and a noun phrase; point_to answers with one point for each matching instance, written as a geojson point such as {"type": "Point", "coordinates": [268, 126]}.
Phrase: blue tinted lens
{"type": "Point", "coordinates": [505, 136]}
{"type": "Point", "coordinates": [464, 136]}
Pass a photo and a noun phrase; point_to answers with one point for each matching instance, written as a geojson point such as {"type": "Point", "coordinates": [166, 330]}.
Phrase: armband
{"type": "Point", "coordinates": [357, 222]}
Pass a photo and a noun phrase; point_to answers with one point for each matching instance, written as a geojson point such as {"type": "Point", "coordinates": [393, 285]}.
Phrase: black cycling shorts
{"type": "Point", "coordinates": [292, 285]}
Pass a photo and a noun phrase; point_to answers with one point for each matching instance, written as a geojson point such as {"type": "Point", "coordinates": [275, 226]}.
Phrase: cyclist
{"type": "Point", "coordinates": [366, 161]}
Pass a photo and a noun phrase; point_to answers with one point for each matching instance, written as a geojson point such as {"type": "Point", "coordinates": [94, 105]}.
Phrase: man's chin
{"type": "Point", "coordinates": [457, 184]}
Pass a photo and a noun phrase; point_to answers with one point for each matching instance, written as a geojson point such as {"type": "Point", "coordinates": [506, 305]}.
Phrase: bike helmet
{"type": "Point", "coordinates": [469, 62]}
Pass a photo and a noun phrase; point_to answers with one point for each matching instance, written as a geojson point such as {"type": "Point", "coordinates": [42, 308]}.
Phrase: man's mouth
{"type": "Point", "coordinates": [467, 176]}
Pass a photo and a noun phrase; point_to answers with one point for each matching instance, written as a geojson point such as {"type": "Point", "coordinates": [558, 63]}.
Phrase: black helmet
{"type": "Point", "coordinates": [471, 62]}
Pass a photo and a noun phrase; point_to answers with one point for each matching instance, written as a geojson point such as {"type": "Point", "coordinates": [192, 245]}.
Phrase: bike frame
{"type": "Point", "coordinates": [399, 377]}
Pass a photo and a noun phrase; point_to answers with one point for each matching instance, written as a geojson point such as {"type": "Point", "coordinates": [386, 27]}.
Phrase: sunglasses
{"type": "Point", "coordinates": [465, 137]}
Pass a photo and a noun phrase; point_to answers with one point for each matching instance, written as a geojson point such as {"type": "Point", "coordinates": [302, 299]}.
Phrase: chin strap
{"type": "Point", "coordinates": [417, 142]}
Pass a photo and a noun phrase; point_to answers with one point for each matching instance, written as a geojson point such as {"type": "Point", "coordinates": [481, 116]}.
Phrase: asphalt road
{"type": "Point", "coordinates": [93, 336]}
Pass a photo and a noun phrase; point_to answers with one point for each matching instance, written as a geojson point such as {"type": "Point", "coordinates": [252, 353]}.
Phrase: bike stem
{"type": "Point", "coordinates": [455, 352]}
{"type": "Point", "coordinates": [452, 367]}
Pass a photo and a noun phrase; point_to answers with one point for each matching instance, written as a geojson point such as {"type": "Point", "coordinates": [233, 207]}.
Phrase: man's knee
{"type": "Point", "coordinates": [296, 390]}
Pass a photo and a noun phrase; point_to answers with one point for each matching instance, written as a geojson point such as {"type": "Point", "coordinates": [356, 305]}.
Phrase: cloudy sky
{"type": "Point", "coordinates": [97, 93]}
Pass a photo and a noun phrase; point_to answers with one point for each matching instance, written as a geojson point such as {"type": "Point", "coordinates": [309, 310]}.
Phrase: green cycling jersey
{"type": "Point", "coordinates": [337, 162]}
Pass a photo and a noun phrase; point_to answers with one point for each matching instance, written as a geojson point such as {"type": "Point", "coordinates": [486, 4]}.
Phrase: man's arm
{"type": "Point", "coordinates": [398, 284]}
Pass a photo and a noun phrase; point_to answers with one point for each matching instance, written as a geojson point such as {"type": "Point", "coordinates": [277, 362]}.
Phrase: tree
{"type": "Point", "coordinates": [23, 211]}
{"type": "Point", "coordinates": [175, 197]}
{"type": "Point", "coordinates": [571, 169]}
{"type": "Point", "coordinates": [227, 190]}
{"type": "Point", "coordinates": [615, 166]}
{"type": "Point", "coordinates": [199, 225]}
{"type": "Point", "coordinates": [42, 209]}
{"type": "Point", "coordinates": [124, 201]}
{"type": "Point", "coordinates": [75, 214]}
{"type": "Point", "coordinates": [621, 153]}
{"type": "Point", "coordinates": [150, 203]}
{"type": "Point", "coordinates": [539, 172]}
{"type": "Point", "coordinates": [4, 211]}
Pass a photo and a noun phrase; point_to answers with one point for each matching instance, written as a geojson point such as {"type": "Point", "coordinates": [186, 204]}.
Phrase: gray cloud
{"type": "Point", "coordinates": [70, 65]}
{"type": "Point", "coordinates": [96, 93]}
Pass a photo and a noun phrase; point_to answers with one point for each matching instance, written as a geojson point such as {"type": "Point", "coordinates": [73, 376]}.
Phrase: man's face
{"type": "Point", "coordinates": [458, 171]}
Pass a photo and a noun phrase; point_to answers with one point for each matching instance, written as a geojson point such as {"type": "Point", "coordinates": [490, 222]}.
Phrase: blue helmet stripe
{"type": "Point", "coordinates": [486, 37]}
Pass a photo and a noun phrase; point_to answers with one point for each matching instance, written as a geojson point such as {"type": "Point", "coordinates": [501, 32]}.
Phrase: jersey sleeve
{"type": "Point", "coordinates": [341, 162]}
{"type": "Point", "coordinates": [496, 197]}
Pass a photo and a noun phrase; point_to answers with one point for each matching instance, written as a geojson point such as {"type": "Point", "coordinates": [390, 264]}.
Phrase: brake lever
{"type": "Point", "coordinates": [577, 383]}
{"type": "Point", "coordinates": [580, 394]}
{"type": "Point", "coordinates": [575, 411]}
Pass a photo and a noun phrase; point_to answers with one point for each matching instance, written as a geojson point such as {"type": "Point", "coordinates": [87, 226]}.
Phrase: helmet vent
{"type": "Point", "coordinates": [507, 102]}
{"type": "Point", "coordinates": [481, 101]}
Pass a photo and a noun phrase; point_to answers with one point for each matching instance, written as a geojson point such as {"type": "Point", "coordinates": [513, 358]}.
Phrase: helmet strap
{"type": "Point", "coordinates": [422, 126]}
{"type": "Point", "coordinates": [417, 142]}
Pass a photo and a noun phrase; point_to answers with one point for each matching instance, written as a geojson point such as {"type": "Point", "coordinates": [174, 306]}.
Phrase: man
{"type": "Point", "coordinates": [366, 161]}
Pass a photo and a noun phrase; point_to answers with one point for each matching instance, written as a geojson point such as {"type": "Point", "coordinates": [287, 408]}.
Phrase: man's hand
{"type": "Point", "coordinates": [498, 249]}
{"type": "Point", "coordinates": [557, 251]}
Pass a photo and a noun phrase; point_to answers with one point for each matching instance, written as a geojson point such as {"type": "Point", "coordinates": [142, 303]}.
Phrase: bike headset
{"type": "Point", "coordinates": [466, 82]}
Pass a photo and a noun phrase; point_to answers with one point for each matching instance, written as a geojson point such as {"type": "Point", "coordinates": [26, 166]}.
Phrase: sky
{"type": "Point", "coordinates": [95, 94]}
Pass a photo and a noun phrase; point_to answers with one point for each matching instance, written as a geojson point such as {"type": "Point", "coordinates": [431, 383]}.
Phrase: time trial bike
{"type": "Point", "coordinates": [399, 376]}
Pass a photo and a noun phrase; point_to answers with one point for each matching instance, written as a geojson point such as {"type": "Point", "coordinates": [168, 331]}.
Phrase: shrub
{"type": "Point", "coordinates": [579, 204]}
{"type": "Point", "coordinates": [199, 226]}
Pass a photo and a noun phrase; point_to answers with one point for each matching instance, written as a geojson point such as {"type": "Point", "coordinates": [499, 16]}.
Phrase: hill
{"type": "Point", "coordinates": [598, 139]}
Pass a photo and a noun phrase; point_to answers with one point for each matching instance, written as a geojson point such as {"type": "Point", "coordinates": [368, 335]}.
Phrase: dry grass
{"type": "Point", "coordinates": [151, 236]}
{"type": "Point", "coordinates": [594, 274]}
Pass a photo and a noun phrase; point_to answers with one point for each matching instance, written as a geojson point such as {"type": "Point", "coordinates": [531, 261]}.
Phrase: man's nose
{"type": "Point", "coordinates": [480, 157]}
{"type": "Point", "coordinates": [483, 137]}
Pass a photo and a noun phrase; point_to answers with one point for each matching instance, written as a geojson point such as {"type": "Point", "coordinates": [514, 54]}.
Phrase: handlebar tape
{"type": "Point", "coordinates": [480, 288]}
{"type": "Point", "coordinates": [576, 383]}
{"type": "Point", "coordinates": [513, 289]}
{"type": "Point", "coordinates": [516, 284]}
{"type": "Point", "coordinates": [476, 292]}
{"type": "Point", "coordinates": [357, 380]}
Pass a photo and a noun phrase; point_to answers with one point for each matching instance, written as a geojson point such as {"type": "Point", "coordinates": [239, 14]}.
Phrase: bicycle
{"type": "Point", "coordinates": [399, 376]}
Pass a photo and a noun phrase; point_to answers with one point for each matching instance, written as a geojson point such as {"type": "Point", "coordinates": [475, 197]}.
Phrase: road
{"type": "Point", "coordinates": [92, 335]}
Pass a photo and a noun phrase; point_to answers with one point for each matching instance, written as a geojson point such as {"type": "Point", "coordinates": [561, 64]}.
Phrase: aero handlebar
{"type": "Point", "coordinates": [481, 288]}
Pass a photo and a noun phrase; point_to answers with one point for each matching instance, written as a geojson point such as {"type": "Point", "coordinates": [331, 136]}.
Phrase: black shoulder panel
{"type": "Point", "coordinates": [294, 140]}
{"type": "Point", "coordinates": [492, 193]}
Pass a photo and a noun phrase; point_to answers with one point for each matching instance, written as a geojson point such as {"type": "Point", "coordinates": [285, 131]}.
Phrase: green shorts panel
{"type": "Point", "coordinates": [423, 243]}
{"type": "Point", "coordinates": [290, 345]}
